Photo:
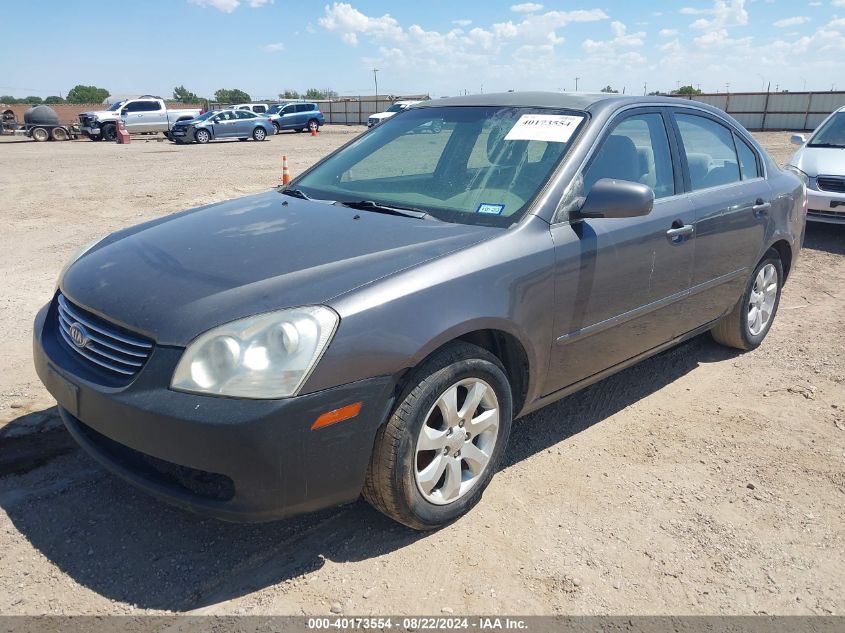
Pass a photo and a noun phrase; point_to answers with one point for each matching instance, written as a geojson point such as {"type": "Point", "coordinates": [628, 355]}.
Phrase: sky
{"type": "Point", "coordinates": [436, 47]}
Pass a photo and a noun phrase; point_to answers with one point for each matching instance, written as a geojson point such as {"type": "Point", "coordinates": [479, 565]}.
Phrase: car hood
{"type": "Point", "coordinates": [174, 278]}
{"type": "Point", "coordinates": [382, 115]}
{"type": "Point", "coordinates": [99, 113]}
{"type": "Point", "coordinates": [814, 161]}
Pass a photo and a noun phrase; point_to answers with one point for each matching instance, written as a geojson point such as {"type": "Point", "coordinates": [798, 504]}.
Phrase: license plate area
{"type": "Point", "coordinates": [65, 392]}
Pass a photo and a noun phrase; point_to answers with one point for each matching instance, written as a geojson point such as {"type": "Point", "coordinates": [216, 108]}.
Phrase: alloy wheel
{"type": "Point", "coordinates": [456, 441]}
{"type": "Point", "coordinates": [761, 302]}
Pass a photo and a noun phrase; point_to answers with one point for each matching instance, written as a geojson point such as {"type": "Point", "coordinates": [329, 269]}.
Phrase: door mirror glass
{"type": "Point", "coordinates": [797, 139]}
{"type": "Point", "coordinates": [609, 198]}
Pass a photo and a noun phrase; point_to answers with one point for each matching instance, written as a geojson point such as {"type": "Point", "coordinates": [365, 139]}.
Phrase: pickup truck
{"type": "Point", "coordinates": [143, 114]}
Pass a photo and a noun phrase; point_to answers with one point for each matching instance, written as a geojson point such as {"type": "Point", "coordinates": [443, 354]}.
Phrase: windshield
{"type": "Point", "coordinates": [473, 165]}
{"type": "Point", "coordinates": [831, 133]}
{"type": "Point", "coordinates": [116, 105]}
{"type": "Point", "coordinates": [205, 115]}
{"type": "Point", "coordinates": [395, 108]}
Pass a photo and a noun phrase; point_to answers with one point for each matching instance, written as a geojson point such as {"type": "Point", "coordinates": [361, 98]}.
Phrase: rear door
{"type": "Point", "coordinates": [245, 123]}
{"type": "Point", "coordinates": [146, 116]}
{"type": "Point", "coordinates": [725, 177]}
{"type": "Point", "coordinates": [621, 283]}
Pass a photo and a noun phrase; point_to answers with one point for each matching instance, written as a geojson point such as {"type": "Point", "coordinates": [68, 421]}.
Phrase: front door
{"type": "Point", "coordinates": [621, 283]}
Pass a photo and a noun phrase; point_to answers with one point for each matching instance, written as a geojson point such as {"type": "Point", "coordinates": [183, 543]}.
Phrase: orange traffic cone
{"type": "Point", "coordinates": [285, 171]}
{"type": "Point", "coordinates": [313, 127]}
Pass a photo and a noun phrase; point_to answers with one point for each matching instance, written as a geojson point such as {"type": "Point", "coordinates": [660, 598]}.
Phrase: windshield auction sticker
{"type": "Point", "coordinates": [555, 128]}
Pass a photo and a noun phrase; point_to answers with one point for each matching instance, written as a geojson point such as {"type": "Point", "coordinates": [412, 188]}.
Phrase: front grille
{"type": "Point", "coordinates": [101, 343]}
{"type": "Point", "coordinates": [826, 215]}
{"type": "Point", "coordinates": [831, 183]}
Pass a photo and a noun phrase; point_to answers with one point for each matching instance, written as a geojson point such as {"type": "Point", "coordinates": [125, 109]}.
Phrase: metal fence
{"type": "Point", "coordinates": [799, 111]}
{"type": "Point", "coordinates": [356, 111]}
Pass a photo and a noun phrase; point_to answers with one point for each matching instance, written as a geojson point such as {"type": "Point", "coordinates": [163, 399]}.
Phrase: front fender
{"type": "Point", "coordinates": [505, 283]}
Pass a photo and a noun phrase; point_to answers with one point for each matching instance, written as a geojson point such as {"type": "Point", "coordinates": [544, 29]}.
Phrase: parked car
{"type": "Point", "coordinates": [144, 114]}
{"type": "Point", "coordinates": [821, 162]}
{"type": "Point", "coordinates": [219, 124]}
{"type": "Point", "coordinates": [258, 108]}
{"type": "Point", "coordinates": [375, 326]}
{"type": "Point", "coordinates": [299, 116]}
{"type": "Point", "coordinates": [396, 108]}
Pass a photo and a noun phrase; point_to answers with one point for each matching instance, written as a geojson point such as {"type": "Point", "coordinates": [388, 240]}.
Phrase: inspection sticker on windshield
{"type": "Point", "coordinates": [491, 209]}
{"type": "Point", "coordinates": [555, 128]}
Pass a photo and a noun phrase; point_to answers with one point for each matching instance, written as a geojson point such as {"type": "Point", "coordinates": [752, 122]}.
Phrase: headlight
{"type": "Point", "coordinates": [803, 176]}
{"type": "Point", "coordinates": [73, 258]}
{"type": "Point", "coordinates": [264, 356]}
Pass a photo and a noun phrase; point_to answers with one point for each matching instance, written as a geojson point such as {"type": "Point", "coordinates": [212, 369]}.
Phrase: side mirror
{"type": "Point", "coordinates": [611, 198]}
{"type": "Point", "coordinates": [797, 139]}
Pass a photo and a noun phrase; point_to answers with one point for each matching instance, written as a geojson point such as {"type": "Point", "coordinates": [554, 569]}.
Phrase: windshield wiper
{"type": "Point", "coordinates": [296, 193]}
{"type": "Point", "coordinates": [390, 209]}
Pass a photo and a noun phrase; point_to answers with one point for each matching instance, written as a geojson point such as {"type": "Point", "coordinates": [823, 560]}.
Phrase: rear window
{"type": "Point", "coordinates": [710, 151]}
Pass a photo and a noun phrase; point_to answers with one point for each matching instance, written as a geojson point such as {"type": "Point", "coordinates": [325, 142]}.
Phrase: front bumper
{"type": "Point", "coordinates": [234, 459]}
{"type": "Point", "coordinates": [88, 130]}
{"type": "Point", "coordinates": [825, 206]}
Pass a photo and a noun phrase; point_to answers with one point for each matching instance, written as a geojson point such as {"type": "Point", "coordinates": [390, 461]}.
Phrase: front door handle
{"type": "Point", "coordinates": [761, 207]}
{"type": "Point", "coordinates": [677, 233]}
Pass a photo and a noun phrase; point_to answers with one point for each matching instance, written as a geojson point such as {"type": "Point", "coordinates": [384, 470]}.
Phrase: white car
{"type": "Point", "coordinates": [822, 161]}
{"type": "Point", "coordinates": [258, 108]}
{"type": "Point", "coordinates": [397, 107]}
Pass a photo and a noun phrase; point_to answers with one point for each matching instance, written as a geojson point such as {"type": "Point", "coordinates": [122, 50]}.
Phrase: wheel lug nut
{"type": "Point", "coordinates": [446, 451]}
{"type": "Point", "coordinates": [458, 454]}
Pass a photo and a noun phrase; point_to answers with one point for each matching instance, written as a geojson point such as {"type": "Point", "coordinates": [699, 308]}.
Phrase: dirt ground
{"type": "Point", "coordinates": [702, 481]}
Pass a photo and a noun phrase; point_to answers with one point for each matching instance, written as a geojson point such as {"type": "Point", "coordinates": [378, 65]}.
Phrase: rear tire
{"type": "Point", "coordinates": [59, 134]}
{"type": "Point", "coordinates": [40, 134]}
{"type": "Point", "coordinates": [432, 460]}
{"type": "Point", "coordinates": [259, 134]}
{"type": "Point", "coordinates": [277, 127]}
{"type": "Point", "coordinates": [752, 317]}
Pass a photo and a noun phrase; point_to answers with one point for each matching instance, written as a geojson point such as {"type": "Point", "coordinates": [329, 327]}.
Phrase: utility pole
{"type": "Point", "coordinates": [576, 83]}
{"type": "Point", "coordinates": [375, 79]}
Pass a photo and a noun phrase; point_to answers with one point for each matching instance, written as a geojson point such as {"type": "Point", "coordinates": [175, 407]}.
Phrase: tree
{"type": "Point", "coordinates": [609, 89]}
{"type": "Point", "coordinates": [8, 99]}
{"type": "Point", "coordinates": [320, 93]}
{"type": "Point", "coordinates": [289, 94]}
{"type": "Point", "coordinates": [54, 99]}
{"type": "Point", "coordinates": [87, 94]}
{"type": "Point", "coordinates": [183, 95]}
{"type": "Point", "coordinates": [33, 100]}
{"type": "Point", "coordinates": [686, 90]}
{"type": "Point", "coordinates": [224, 95]}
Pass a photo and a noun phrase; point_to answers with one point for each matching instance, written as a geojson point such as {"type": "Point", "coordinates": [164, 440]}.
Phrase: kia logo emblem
{"type": "Point", "coordinates": [79, 335]}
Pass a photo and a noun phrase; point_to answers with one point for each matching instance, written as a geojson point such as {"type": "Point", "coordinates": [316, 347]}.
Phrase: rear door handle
{"type": "Point", "coordinates": [761, 207]}
{"type": "Point", "coordinates": [675, 234]}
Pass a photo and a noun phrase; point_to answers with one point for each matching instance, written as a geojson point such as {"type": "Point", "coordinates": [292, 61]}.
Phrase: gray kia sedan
{"type": "Point", "coordinates": [375, 327]}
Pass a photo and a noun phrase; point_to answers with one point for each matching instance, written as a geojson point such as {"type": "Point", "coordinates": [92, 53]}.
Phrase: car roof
{"type": "Point", "coordinates": [565, 100]}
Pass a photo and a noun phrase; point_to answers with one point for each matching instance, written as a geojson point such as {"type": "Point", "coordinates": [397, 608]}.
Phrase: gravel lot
{"type": "Point", "coordinates": [700, 481]}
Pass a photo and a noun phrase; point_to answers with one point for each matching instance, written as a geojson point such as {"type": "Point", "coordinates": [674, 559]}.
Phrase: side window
{"type": "Point", "coordinates": [246, 114]}
{"type": "Point", "coordinates": [135, 106]}
{"type": "Point", "coordinates": [289, 109]}
{"type": "Point", "coordinates": [747, 160]}
{"type": "Point", "coordinates": [259, 108]}
{"type": "Point", "coordinates": [710, 151]}
{"type": "Point", "coordinates": [637, 150]}
{"type": "Point", "coordinates": [303, 107]}
{"type": "Point", "coordinates": [243, 108]}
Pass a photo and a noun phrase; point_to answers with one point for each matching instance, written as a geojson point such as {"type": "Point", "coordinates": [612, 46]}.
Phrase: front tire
{"type": "Point", "coordinates": [109, 132]}
{"type": "Point", "coordinates": [202, 136]}
{"type": "Point", "coordinates": [441, 446]}
{"type": "Point", "coordinates": [752, 317]}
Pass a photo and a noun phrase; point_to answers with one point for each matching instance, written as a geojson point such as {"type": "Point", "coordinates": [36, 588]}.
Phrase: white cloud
{"type": "Point", "coordinates": [668, 32]}
{"type": "Point", "coordinates": [227, 6]}
{"type": "Point", "coordinates": [348, 22]}
{"type": "Point", "coordinates": [838, 3]}
{"type": "Point", "coordinates": [462, 22]}
{"type": "Point", "coordinates": [797, 20]}
{"type": "Point", "coordinates": [274, 48]}
{"type": "Point", "coordinates": [724, 13]}
{"type": "Point", "coordinates": [526, 7]}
